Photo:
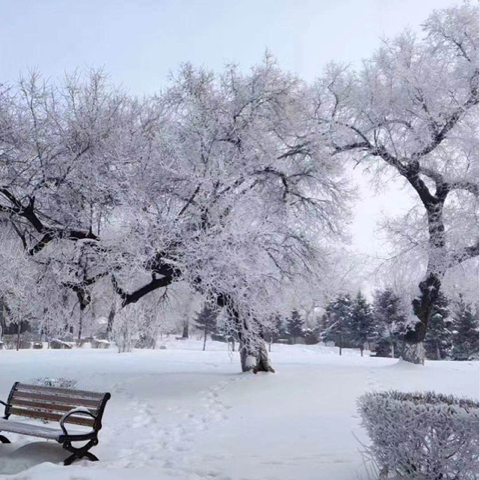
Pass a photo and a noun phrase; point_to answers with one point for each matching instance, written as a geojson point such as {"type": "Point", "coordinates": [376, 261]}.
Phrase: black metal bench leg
{"type": "Point", "coordinates": [4, 439]}
{"type": "Point", "coordinates": [79, 453]}
{"type": "Point", "coordinates": [70, 459]}
{"type": "Point", "coordinates": [76, 456]}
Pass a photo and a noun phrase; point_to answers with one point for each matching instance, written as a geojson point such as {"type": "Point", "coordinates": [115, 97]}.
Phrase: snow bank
{"type": "Point", "coordinates": [185, 414]}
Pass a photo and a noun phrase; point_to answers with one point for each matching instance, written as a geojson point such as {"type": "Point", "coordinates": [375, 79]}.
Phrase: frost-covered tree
{"type": "Point", "coordinates": [465, 331]}
{"type": "Point", "coordinates": [220, 182]}
{"type": "Point", "coordinates": [127, 325]}
{"type": "Point", "coordinates": [412, 110]}
{"type": "Point", "coordinates": [17, 282]}
{"type": "Point", "coordinates": [390, 322]}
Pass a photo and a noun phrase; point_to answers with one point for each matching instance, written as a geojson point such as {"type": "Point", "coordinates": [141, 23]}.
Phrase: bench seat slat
{"type": "Point", "coordinates": [24, 412]}
{"type": "Point", "coordinates": [66, 392]}
{"type": "Point", "coordinates": [53, 407]}
{"type": "Point", "coordinates": [57, 399]}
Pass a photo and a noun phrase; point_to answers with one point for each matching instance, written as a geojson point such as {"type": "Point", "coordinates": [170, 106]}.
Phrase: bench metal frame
{"type": "Point", "coordinates": [66, 439]}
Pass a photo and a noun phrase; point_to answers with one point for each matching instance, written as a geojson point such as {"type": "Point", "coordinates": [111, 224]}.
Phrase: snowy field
{"type": "Point", "coordinates": [185, 414]}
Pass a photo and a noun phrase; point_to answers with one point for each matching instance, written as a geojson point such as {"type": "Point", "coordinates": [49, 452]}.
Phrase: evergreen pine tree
{"type": "Point", "coordinates": [206, 321]}
{"type": "Point", "coordinates": [465, 331]}
{"type": "Point", "coordinates": [338, 318]}
{"type": "Point", "coordinates": [438, 341]}
{"type": "Point", "coordinates": [361, 327]}
{"type": "Point", "coordinates": [273, 330]}
{"type": "Point", "coordinates": [311, 335]}
{"type": "Point", "coordinates": [281, 330]}
{"type": "Point", "coordinates": [317, 329]}
{"type": "Point", "coordinates": [295, 326]}
{"type": "Point", "coordinates": [322, 327]}
{"type": "Point", "coordinates": [389, 323]}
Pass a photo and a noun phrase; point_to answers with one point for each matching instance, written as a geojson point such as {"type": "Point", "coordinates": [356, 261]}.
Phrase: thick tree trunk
{"type": "Point", "coordinates": [2, 320]}
{"type": "Point", "coordinates": [248, 357]}
{"type": "Point", "coordinates": [111, 319]}
{"type": "Point", "coordinates": [252, 348]}
{"type": "Point", "coordinates": [263, 360]}
{"type": "Point", "coordinates": [414, 351]}
{"type": "Point", "coordinates": [84, 300]}
{"type": "Point", "coordinates": [251, 345]}
{"type": "Point", "coordinates": [185, 330]}
{"type": "Point", "coordinates": [18, 335]}
{"type": "Point", "coordinates": [254, 356]}
{"type": "Point", "coordinates": [80, 325]}
{"type": "Point", "coordinates": [429, 287]}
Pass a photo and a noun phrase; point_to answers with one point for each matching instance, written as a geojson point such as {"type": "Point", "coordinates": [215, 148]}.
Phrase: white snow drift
{"type": "Point", "coordinates": [189, 415]}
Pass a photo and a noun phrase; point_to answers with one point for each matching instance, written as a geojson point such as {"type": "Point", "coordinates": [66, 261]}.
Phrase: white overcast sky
{"type": "Point", "coordinates": [140, 41]}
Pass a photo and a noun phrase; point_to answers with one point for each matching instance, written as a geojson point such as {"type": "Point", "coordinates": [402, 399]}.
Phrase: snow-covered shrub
{"type": "Point", "coordinates": [8, 343]}
{"type": "Point", "coordinates": [98, 343]}
{"type": "Point", "coordinates": [57, 344]}
{"type": "Point", "coordinates": [54, 382]}
{"type": "Point", "coordinates": [422, 435]}
{"type": "Point", "coordinates": [145, 341]}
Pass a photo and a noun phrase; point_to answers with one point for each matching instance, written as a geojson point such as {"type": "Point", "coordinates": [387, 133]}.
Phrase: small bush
{"type": "Point", "coordinates": [57, 344]}
{"type": "Point", "coordinates": [422, 435]}
{"type": "Point", "coordinates": [145, 341]}
{"type": "Point", "coordinates": [96, 343]}
{"type": "Point", "coordinates": [54, 382]}
{"type": "Point", "coordinates": [10, 343]}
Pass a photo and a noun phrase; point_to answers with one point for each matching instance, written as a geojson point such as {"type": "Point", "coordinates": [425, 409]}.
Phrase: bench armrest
{"type": "Point", "coordinates": [3, 403]}
{"type": "Point", "coordinates": [77, 411]}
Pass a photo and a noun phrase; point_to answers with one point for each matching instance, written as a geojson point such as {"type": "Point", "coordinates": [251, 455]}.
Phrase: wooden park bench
{"type": "Point", "coordinates": [64, 405]}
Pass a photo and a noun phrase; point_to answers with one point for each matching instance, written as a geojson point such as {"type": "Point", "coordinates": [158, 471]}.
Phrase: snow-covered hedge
{"type": "Point", "coordinates": [54, 382]}
{"type": "Point", "coordinates": [422, 435]}
{"type": "Point", "coordinates": [57, 344]}
{"type": "Point", "coordinates": [98, 343]}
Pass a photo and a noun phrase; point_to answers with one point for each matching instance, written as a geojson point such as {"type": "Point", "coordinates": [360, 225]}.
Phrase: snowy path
{"type": "Point", "coordinates": [189, 415]}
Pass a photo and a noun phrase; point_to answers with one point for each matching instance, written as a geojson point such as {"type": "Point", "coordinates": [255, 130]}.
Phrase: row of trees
{"type": "Point", "coordinates": [381, 326]}
{"type": "Point", "coordinates": [291, 329]}
{"type": "Point", "coordinates": [232, 185]}
{"type": "Point", "coordinates": [453, 330]}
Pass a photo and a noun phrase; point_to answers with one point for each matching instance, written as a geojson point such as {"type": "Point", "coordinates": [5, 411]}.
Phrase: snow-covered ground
{"type": "Point", "coordinates": [182, 413]}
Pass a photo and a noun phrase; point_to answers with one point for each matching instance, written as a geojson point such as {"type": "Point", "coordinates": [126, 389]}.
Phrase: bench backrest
{"type": "Point", "coordinates": [51, 403]}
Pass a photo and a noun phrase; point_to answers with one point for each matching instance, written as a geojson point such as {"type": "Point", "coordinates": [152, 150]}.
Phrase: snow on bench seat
{"type": "Point", "coordinates": [37, 430]}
